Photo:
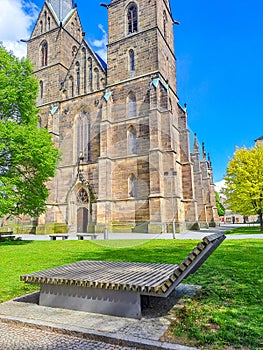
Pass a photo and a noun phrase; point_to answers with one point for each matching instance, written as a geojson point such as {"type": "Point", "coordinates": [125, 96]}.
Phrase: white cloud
{"type": "Point", "coordinates": [219, 185]}
{"type": "Point", "coordinates": [16, 20]}
{"type": "Point", "coordinates": [100, 46]}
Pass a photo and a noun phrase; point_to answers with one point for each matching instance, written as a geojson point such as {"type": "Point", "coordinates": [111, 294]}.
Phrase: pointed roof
{"type": "Point", "coordinates": [61, 8]}
{"type": "Point", "coordinates": [196, 144]}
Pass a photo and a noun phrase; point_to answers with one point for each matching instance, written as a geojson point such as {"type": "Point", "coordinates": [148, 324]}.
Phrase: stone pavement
{"type": "Point", "coordinates": [26, 325]}
{"type": "Point", "coordinates": [21, 337]}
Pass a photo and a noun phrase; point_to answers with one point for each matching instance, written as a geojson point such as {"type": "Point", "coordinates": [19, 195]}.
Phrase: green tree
{"type": "Point", "coordinates": [28, 157]}
{"type": "Point", "coordinates": [220, 208]}
{"type": "Point", "coordinates": [244, 182]}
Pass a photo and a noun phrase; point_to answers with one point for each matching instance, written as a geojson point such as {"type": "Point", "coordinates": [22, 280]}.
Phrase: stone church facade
{"type": "Point", "coordinates": [126, 161]}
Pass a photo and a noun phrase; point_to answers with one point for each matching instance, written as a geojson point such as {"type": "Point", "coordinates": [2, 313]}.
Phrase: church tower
{"type": "Point", "coordinates": [144, 187]}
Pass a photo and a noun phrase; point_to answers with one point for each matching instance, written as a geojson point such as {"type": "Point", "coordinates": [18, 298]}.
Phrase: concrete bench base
{"type": "Point", "coordinates": [107, 302]}
{"type": "Point", "coordinates": [53, 237]}
{"type": "Point", "coordinates": [81, 236]}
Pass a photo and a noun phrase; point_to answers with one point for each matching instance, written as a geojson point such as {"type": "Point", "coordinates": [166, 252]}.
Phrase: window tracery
{"type": "Point", "coordinates": [82, 196]}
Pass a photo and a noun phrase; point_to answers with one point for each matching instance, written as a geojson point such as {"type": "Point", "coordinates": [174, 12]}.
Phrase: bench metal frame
{"type": "Point", "coordinates": [115, 288]}
{"type": "Point", "coordinates": [81, 236]}
{"type": "Point", "coordinates": [54, 236]}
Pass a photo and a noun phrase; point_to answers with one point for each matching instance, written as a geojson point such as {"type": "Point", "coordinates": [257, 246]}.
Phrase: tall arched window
{"type": "Point", "coordinates": [44, 54]}
{"type": "Point", "coordinates": [132, 186]}
{"type": "Point", "coordinates": [131, 140]}
{"type": "Point", "coordinates": [165, 25]}
{"type": "Point", "coordinates": [132, 105]}
{"type": "Point", "coordinates": [131, 60]}
{"type": "Point", "coordinates": [41, 27]}
{"type": "Point", "coordinates": [132, 18]}
{"type": "Point", "coordinates": [83, 135]}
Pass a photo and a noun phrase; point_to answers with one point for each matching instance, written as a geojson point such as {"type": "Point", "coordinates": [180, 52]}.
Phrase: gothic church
{"type": "Point", "coordinates": [126, 160]}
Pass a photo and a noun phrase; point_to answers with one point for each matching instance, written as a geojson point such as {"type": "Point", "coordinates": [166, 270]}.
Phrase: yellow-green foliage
{"type": "Point", "coordinates": [244, 181]}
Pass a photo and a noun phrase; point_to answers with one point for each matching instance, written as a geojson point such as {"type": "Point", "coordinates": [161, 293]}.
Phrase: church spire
{"type": "Point", "coordinates": [203, 151]}
{"type": "Point", "coordinates": [61, 8]}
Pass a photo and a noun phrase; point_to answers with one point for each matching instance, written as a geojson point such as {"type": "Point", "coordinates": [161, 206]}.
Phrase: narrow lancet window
{"type": "Point", "coordinates": [83, 135]}
{"type": "Point", "coordinates": [132, 105]}
{"type": "Point", "coordinates": [44, 54]}
{"type": "Point", "coordinates": [131, 60]}
{"type": "Point", "coordinates": [84, 70]}
{"type": "Point", "coordinates": [132, 186]}
{"type": "Point", "coordinates": [41, 86]}
{"type": "Point", "coordinates": [90, 73]}
{"type": "Point", "coordinates": [78, 77]}
{"type": "Point", "coordinates": [71, 85]}
{"type": "Point", "coordinates": [131, 139]}
{"type": "Point", "coordinates": [132, 19]}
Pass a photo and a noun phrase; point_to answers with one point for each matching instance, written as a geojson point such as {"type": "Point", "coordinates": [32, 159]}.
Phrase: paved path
{"type": "Point", "coordinates": [26, 325]}
{"type": "Point", "coordinates": [21, 337]}
{"type": "Point", "coordinates": [197, 235]}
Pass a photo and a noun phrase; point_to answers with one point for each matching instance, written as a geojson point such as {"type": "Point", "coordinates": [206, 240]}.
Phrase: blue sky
{"type": "Point", "coordinates": [219, 53]}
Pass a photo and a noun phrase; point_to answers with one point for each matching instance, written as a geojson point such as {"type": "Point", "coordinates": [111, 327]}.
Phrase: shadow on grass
{"type": "Point", "coordinates": [13, 242]}
{"type": "Point", "coordinates": [152, 253]}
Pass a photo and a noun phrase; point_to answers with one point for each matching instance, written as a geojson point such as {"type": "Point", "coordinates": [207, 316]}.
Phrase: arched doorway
{"type": "Point", "coordinates": [82, 211]}
{"type": "Point", "coordinates": [82, 220]}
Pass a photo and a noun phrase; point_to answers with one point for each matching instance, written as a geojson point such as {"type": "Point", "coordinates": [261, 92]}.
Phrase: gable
{"type": "Point", "coordinates": [56, 14]}
{"type": "Point", "coordinates": [86, 73]}
{"type": "Point", "coordinates": [46, 21]}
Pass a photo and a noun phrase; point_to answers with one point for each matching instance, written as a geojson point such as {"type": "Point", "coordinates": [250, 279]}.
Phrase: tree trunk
{"type": "Point", "coordinates": [261, 221]}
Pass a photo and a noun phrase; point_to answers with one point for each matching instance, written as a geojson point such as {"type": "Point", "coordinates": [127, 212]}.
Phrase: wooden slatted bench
{"type": "Point", "coordinates": [115, 288]}
{"type": "Point", "coordinates": [81, 236]}
{"type": "Point", "coordinates": [54, 236]}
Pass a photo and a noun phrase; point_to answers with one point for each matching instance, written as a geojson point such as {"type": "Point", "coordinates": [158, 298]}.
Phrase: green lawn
{"type": "Point", "coordinates": [245, 230]}
{"type": "Point", "coordinates": [226, 314]}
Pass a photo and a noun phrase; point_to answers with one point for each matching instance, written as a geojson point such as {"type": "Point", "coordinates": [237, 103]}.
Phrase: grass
{"type": "Point", "coordinates": [226, 314]}
{"type": "Point", "coordinates": [244, 230]}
